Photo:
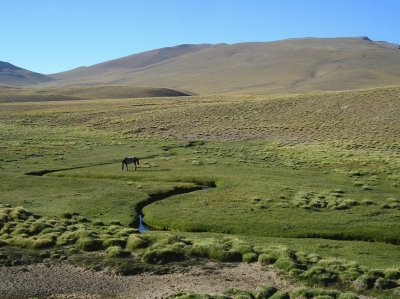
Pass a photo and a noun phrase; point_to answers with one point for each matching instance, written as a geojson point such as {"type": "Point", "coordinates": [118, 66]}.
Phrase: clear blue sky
{"type": "Point", "coordinates": [50, 36]}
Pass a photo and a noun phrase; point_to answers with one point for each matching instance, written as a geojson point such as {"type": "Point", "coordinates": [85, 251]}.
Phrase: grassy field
{"type": "Point", "coordinates": [295, 177]}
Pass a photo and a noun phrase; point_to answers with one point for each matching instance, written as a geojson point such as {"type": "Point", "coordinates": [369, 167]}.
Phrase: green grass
{"type": "Point", "coordinates": [330, 198]}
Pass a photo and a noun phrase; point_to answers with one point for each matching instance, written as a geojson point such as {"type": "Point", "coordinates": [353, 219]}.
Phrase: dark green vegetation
{"type": "Point", "coordinates": [18, 94]}
{"type": "Point", "coordinates": [266, 291]}
{"type": "Point", "coordinates": [315, 193]}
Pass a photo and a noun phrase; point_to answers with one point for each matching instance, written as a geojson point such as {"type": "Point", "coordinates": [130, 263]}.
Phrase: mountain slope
{"type": "Point", "coordinates": [293, 65]}
{"type": "Point", "coordinates": [13, 75]}
{"type": "Point", "coordinates": [123, 67]}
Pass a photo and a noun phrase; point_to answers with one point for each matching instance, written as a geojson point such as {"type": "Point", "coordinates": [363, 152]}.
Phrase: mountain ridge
{"type": "Point", "coordinates": [14, 75]}
{"type": "Point", "coordinates": [290, 65]}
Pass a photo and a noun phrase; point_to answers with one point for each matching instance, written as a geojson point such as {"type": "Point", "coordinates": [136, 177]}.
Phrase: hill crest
{"type": "Point", "coordinates": [291, 65]}
{"type": "Point", "coordinates": [14, 75]}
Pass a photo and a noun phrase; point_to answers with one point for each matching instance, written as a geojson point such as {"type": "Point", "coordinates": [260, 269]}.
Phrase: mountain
{"type": "Point", "coordinates": [292, 65]}
{"type": "Point", "coordinates": [13, 75]}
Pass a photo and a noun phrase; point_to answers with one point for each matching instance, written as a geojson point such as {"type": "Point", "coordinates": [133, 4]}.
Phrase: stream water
{"type": "Point", "coordinates": [144, 228]}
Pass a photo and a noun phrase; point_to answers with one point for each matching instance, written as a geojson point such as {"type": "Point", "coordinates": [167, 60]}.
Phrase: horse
{"type": "Point", "coordinates": [129, 160]}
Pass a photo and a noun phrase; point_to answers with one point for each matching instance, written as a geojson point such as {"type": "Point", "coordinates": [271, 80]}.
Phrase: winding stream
{"type": "Point", "coordinates": [141, 225]}
{"type": "Point", "coordinates": [138, 217]}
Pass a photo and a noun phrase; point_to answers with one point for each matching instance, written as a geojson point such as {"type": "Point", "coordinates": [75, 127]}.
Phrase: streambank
{"type": "Point", "coordinates": [138, 217]}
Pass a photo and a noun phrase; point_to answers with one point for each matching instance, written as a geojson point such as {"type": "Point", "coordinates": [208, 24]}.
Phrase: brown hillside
{"type": "Point", "coordinates": [293, 65]}
{"type": "Point", "coordinates": [13, 75]}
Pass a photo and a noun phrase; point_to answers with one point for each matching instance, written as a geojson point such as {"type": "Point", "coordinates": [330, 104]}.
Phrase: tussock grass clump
{"type": "Point", "coordinates": [269, 292]}
{"type": "Point", "coordinates": [237, 293]}
{"type": "Point", "coordinates": [320, 275]}
{"type": "Point", "coordinates": [264, 292]}
{"type": "Point", "coordinates": [286, 264]}
{"type": "Point", "coordinates": [266, 259]}
{"type": "Point", "coordinates": [250, 257]}
{"type": "Point", "coordinates": [320, 293]}
{"type": "Point", "coordinates": [320, 200]}
{"type": "Point", "coordinates": [89, 244]}
{"type": "Point", "coordinates": [125, 232]}
{"type": "Point", "coordinates": [116, 251]}
{"type": "Point", "coordinates": [137, 242]}
{"type": "Point", "coordinates": [215, 251]}
{"type": "Point", "coordinates": [392, 273]}
{"type": "Point", "coordinates": [163, 255]}
{"type": "Point", "coordinates": [367, 202]}
{"type": "Point", "coordinates": [382, 284]}
{"type": "Point", "coordinates": [121, 242]}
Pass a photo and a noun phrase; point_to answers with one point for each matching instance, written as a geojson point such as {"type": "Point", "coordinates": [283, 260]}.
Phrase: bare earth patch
{"type": "Point", "coordinates": [69, 282]}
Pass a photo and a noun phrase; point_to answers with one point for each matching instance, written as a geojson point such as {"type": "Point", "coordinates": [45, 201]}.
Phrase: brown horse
{"type": "Point", "coordinates": [129, 160]}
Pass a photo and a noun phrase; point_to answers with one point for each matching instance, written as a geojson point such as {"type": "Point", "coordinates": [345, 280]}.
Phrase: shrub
{"type": "Point", "coordinates": [242, 248]}
{"type": "Point", "coordinates": [125, 232]}
{"type": "Point", "coordinates": [313, 258]}
{"type": "Point", "coordinates": [363, 282]}
{"type": "Point", "coordinates": [44, 243]}
{"type": "Point", "coordinates": [66, 215]}
{"type": "Point", "coordinates": [184, 295]}
{"type": "Point", "coordinates": [280, 295]}
{"type": "Point", "coordinates": [115, 222]}
{"type": "Point", "coordinates": [285, 264]}
{"type": "Point", "coordinates": [341, 206]}
{"type": "Point", "coordinates": [350, 274]}
{"type": "Point", "coordinates": [127, 267]}
{"type": "Point", "coordinates": [392, 274]}
{"type": "Point", "coordinates": [136, 242]}
{"type": "Point", "coordinates": [116, 251]}
{"type": "Point", "coordinates": [321, 275]}
{"type": "Point", "coordinates": [114, 242]}
{"type": "Point", "coordinates": [351, 202]}
{"type": "Point", "coordinates": [314, 293]}
{"type": "Point", "coordinates": [239, 294]}
{"type": "Point", "coordinates": [37, 227]}
{"type": "Point", "coordinates": [19, 213]}
{"type": "Point", "coordinates": [68, 238]}
{"type": "Point", "coordinates": [347, 296]}
{"type": "Point", "coordinates": [82, 219]}
{"type": "Point", "coordinates": [264, 292]}
{"type": "Point", "coordinates": [98, 223]}
{"type": "Point", "coordinates": [88, 244]}
{"type": "Point", "coordinates": [266, 259]}
{"type": "Point", "coordinates": [162, 256]}
{"type": "Point", "coordinates": [215, 252]}
{"type": "Point", "coordinates": [383, 283]}
{"type": "Point", "coordinates": [250, 257]}
{"type": "Point", "coordinates": [367, 202]}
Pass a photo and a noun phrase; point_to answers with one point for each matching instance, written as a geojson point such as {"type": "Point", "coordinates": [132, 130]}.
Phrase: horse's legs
{"type": "Point", "coordinates": [135, 165]}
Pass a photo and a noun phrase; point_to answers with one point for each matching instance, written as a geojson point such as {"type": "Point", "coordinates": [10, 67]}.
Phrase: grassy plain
{"type": "Point", "coordinates": [318, 174]}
